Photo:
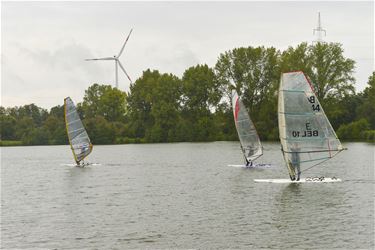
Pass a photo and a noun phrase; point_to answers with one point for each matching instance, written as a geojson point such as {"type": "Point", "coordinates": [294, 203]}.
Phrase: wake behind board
{"type": "Point", "coordinates": [302, 180]}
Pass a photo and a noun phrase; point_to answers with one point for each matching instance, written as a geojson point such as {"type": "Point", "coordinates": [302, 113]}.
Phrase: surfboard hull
{"type": "Point", "coordinates": [84, 165]}
{"type": "Point", "coordinates": [302, 180]}
{"type": "Point", "coordinates": [255, 165]}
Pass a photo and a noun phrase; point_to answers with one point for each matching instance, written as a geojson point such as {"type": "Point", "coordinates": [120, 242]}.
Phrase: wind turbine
{"type": "Point", "coordinates": [117, 61]}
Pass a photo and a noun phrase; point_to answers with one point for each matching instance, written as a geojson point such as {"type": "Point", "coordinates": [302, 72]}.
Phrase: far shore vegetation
{"type": "Point", "coordinates": [161, 107]}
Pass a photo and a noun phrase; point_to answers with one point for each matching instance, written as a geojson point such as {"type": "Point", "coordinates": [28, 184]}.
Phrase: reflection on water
{"type": "Point", "coordinates": [182, 195]}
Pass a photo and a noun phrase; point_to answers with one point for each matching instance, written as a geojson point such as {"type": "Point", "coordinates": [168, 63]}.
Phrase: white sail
{"type": "Point", "coordinates": [78, 137]}
{"type": "Point", "coordinates": [249, 139]}
{"type": "Point", "coordinates": [305, 132]}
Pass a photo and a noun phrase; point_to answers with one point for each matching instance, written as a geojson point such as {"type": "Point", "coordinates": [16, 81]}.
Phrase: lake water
{"type": "Point", "coordinates": [182, 195]}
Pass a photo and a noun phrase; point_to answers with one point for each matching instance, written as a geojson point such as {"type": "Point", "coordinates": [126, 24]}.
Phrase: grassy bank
{"type": "Point", "coordinates": [11, 143]}
{"type": "Point", "coordinates": [142, 141]}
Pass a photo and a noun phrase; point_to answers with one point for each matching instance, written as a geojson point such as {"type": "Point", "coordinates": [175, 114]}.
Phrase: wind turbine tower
{"type": "Point", "coordinates": [117, 61]}
{"type": "Point", "coordinates": [319, 31]}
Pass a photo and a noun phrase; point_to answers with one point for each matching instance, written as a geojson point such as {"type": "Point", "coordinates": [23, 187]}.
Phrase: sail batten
{"type": "Point", "coordinates": [297, 113]}
{"type": "Point", "coordinates": [75, 121]}
{"type": "Point", "coordinates": [243, 120]}
{"type": "Point", "coordinates": [249, 139]}
{"type": "Point", "coordinates": [78, 138]}
{"type": "Point", "coordinates": [305, 132]}
{"type": "Point", "coordinates": [248, 135]}
{"type": "Point", "coordinates": [80, 129]}
{"type": "Point", "coordinates": [316, 151]}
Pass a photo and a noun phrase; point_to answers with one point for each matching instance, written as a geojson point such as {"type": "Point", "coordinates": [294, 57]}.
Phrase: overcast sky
{"type": "Point", "coordinates": [44, 44]}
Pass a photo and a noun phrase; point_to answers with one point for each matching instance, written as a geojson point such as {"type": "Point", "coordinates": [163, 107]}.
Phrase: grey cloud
{"type": "Point", "coordinates": [69, 58]}
{"type": "Point", "coordinates": [54, 37]}
{"type": "Point", "coordinates": [175, 60]}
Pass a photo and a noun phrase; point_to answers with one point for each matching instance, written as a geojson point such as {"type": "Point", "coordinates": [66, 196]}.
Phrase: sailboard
{"type": "Point", "coordinates": [306, 135]}
{"type": "Point", "coordinates": [302, 180]}
{"type": "Point", "coordinates": [255, 165]}
{"type": "Point", "coordinates": [250, 143]}
{"type": "Point", "coordinates": [82, 165]}
{"type": "Point", "coordinates": [78, 138]}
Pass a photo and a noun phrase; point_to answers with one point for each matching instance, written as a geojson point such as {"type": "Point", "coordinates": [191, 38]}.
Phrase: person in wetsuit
{"type": "Point", "coordinates": [251, 152]}
{"type": "Point", "coordinates": [295, 161]}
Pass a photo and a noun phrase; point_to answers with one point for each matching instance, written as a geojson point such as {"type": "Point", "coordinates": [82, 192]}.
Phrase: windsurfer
{"type": "Point", "coordinates": [251, 152]}
{"type": "Point", "coordinates": [249, 163]}
{"type": "Point", "coordinates": [84, 149]}
{"type": "Point", "coordinates": [295, 161]}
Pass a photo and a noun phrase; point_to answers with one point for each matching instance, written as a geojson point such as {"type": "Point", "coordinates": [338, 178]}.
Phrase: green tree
{"type": "Point", "coordinates": [36, 136]}
{"type": "Point", "coordinates": [105, 101]}
{"type": "Point", "coordinates": [200, 89]}
{"type": "Point", "coordinates": [200, 97]}
{"type": "Point", "coordinates": [154, 104]}
{"type": "Point", "coordinates": [165, 108]}
{"type": "Point", "coordinates": [140, 103]}
{"type": "Point", "coordinates": [57, 111]}
{"type": "Point", "coordinates": [37, 114]}
{"type": "Point", "coordinates": [342, 111]}
{"type": "Point", "coordinates": [197, 107]}
{"type": "Point", "coordinates": [7, 128]}
{"type": "Point", "coordinates": [367, 109]}
{"type": "Point", "coordinates": [255, 73]}
{"type": "Point", "coordinates": [100, 130]}
{"type": "Point", "coordinates": [24, 127]}
{"type": "Point", "coordinates": [223, 118]}
{"type": "Point", "coordinates": [297, 59]}
{"type": "Point", "coordinates": [55, 126]}
{"type": "Point", "coordinates": [23, 123]}
{"type": "Point", "coordinates": [324, 63]}
{"type": "Point", "coordinates": [354, 130]}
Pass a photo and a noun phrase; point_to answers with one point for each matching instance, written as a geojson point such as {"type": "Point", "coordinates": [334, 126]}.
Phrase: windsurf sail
{"type": "Point", "coordinates": [78, 137]}
{"type": "Point", "coordinates": [249, 139]}
{"type": "Point", "coordinates": [306, 135]}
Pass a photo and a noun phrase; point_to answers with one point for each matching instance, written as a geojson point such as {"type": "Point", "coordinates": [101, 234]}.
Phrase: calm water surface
{"type": "Point", "coordinates": [182, 195]}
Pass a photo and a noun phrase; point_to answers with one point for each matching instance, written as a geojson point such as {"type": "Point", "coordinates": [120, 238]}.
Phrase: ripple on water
{"type": "Point", "coordinates": [181, 195]}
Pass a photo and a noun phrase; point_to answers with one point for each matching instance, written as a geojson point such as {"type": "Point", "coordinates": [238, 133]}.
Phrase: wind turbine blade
{"type": "Point", "coordinates": [104, 58]}
{"type": "Point", "coordinates": [119, 63]}
{"type": "Point", "coordinates": [123, 46]}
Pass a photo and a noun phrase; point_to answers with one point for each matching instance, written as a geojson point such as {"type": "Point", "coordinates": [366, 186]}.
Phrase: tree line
{"type": "Point", "coordinates": [161, 107]}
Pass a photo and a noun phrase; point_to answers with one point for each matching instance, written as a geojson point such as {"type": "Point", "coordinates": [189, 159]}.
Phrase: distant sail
{"type": "Point", "coordinates": [249, 139]}
{"type": "Point", "coordinates": [78, 137]}
{"type": "Point", "coordinates": [304, 130]}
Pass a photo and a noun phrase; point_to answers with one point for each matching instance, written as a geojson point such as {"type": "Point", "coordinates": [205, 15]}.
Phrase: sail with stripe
{"type": "Point", "coordinates": [78, 137]}
{"type": "Point", "coordinates": [249, 139]}
{"type": "Point", "coordinates": [306, 134]}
